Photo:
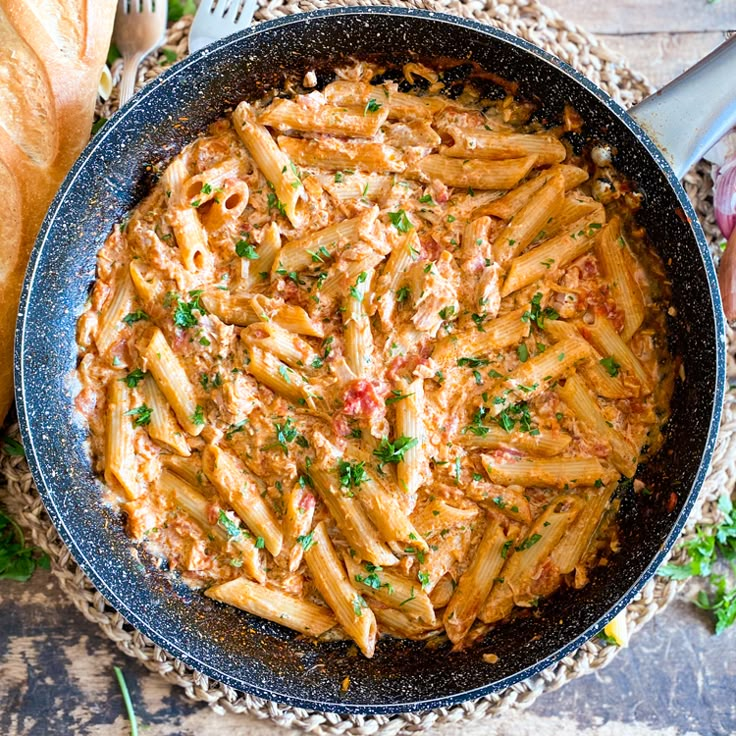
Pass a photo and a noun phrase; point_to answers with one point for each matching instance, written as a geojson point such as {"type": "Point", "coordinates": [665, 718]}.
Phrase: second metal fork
{"type": "Point", "coordinates": [216, 19]}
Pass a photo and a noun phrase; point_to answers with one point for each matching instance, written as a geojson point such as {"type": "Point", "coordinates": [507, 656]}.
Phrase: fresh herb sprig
{"type": "Point", "coordinates": [712, 546]}
{"type": "Point", "coordinates": [18, 561]}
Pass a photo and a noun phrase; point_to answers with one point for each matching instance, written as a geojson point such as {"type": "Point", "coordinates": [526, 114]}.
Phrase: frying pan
{"type": "Point", "coordinates": [253, 655]}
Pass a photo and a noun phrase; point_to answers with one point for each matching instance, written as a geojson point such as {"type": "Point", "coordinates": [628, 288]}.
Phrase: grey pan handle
{"type": "Point", "coordinates": [690, 114]}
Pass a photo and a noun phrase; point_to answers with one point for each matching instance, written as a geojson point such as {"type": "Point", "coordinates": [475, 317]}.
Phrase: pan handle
{"type": "Point", "coordinates": [695, 110]}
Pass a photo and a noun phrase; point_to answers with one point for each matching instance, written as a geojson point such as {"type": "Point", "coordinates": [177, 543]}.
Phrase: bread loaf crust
{"type": "Point", "coordinates": [51, 55]}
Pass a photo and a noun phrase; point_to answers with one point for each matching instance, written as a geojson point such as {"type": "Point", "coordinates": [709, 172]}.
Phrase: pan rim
{"type": "Point", "coordinates": [45, 485]}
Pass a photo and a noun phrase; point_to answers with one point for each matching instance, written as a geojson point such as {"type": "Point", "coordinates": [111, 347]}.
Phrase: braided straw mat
{"type": "Point", "coordinates": [545, 28]}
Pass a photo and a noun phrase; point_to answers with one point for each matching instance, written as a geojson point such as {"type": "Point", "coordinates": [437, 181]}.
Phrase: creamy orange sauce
{"type": "Point", "coordinates": [450, 293]}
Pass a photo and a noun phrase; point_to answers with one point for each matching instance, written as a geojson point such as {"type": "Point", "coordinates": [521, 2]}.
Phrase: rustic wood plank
{"type": "Point", "coordinates": [653, 16]}
{"type": "Point", "coordinates": [662, 56]}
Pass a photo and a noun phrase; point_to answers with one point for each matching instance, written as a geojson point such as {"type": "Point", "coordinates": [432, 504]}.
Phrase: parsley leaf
{"type": "Point", "coordinates": [133, 317]}
{"type": "Point", "coordinates": [245, 249]}
{"type": "Point", "coordinates": [17, 560]}
{"type": "Point", "coordinates": [306, 541]}
{"type": "Point", "coordinates": [133, 378]}
{"type": "Point", "coordinates": [393, 452]}
{"type": "Point", "coordinates": [611, 366]}
{"type": "Point", "coordinates": [537, 314]}
{"type": "Point", "coordinates": [372, 106]}
{"type": "Point", "coordinates": [141, 415]}
{"type": "Point", "coordinates": [351, 474]}
{"type": "Point", "coordinates": [400, 221]}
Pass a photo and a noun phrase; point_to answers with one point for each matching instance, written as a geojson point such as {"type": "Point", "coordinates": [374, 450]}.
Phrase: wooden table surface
{"type": "Point", "coordinates": [676, 678]}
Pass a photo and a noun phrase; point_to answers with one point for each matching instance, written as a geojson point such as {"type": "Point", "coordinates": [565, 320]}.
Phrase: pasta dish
{"type": "Point", "coordinates": [378, 357]}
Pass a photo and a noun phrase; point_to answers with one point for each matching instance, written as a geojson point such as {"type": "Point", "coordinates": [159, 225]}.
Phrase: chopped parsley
{"type": "Point", "coordinates": [515, 414]}
{"type": "Point", "coordinates": [528, 542]}
{"type": "Point", "coordinates": [198, 416]}
{"type": "Point", "coordinates": [133, 317]}
{"type": "Point", "coordinates": [141, 415]}
{"type": "Point", "coordinates": [359, 604]}
{"type": "Point", "coordinates": [400, 221]}
{"type": "Point", "coordinates": [403, 294]}
{"type": "Point", "coordinates": [423, 578]}
{"type": "Point", "coordinates": [611, 366]}
{"type": "Point", "coordinates": [286, 433]}
{"type": "Point", "coordinates": [306, 541]}
{"type": "Point", "coordinates": [362, 276]}
{"type": "Point", "coordinates": [133, 378]}
{"type": "Point", "coordinates": [274, 203]}
{"type": "Point", "coordinates": [393, 452]}
{"type": "Point", "coordinates": [396, 396]}
{"type": "Point", "coordinates": [351, 474]}
{"type": "Point", "coordinates": [184, 314]}
{"type": "Point", "coordinates": [245, 249]}
{"type": "Point", "coordinates": [372, 106]}
{"type": "Point", "coordinates": [473, 362]}
{"type": "Point", "coordinates": [537, 314]}
{"type": "Point", "coordinates": [232, 528]}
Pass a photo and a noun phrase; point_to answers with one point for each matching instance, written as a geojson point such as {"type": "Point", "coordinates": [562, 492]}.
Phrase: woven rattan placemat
{"type": "Point", "coordinates": [545, 28]}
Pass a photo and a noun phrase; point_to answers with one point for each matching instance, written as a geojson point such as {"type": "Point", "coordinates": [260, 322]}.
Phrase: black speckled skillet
{"type": "Point", "coordinates": [252, 655]}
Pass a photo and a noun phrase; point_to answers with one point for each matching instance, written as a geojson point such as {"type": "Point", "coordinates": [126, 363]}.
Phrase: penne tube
{"type": "Point", "coordinates": [239, 542]}
{"type": "Point", "coordinates": [174, 177]}
{"type": "Point", "coordinates": [355, 122]}
{"type": "Point", "coordinates": [404, 134]}
{"type": "Point", "coordinates": [442, 592]}
{"type": "Point", "coordinates": [191, 238]}
{"type": "Point", "coordinates": [317, 247]}
{"type": "Point", "coordinates": [173, 381]}
{"type": "Point", "coordinates": [269, 248]}
{"type": "Point", "coordinates": [624, 456]}
{"type": "Point", "coordinates": [346, 273]}
{"type": "Point", "coordinates": [270, 371]}
{"type": "Point", "coordinates": [595, 374]}
{"type": "Point", "coordinates": [509, 501]}
{"type": "Point", "coordinates": [530, 222]}
{"type": "Point", "coordinates": [571, 549]}
{"type": "Point", "coordinates": [401, 106]}
{"type": "Point", "coordinates": [330, 579]}
{"type": "Point", "coordinates": [555, 253]}
{"type": "Point", "coordinates": [395, 623]}
{"type": "Point", "coordinates": [285, 345]}
{"type": "Point", "coordinates": [387, 516]}
{"type": "Point", "coordinates": [163, 427]}
{"type": "Point", "coordinates": [516, 582]}
{"type": "Point", "coordinates": [499, 333]}
{"type": "Point", "coordinates": [473, 173]}
{"type": "Point", "coordinates": [602, 334]}
{"type": "Point", "coordinates": [334, 154]}
{"type": "Point", "coordinates": [394, 274]}
{"type": "Point", "coordinates": [476, 582]}
{"type": "Point", "coordinates": [358, 336]}
{"type": "Point", "coordinates": [540, 472]}
{"type": "Point", "coordinates": [187, 468]}
{"type": "Point", "coordinates": [147, 287]}
{"type": "Point", "coordinates": [545, 443]}
{"type": "Point", "coordinates": [120, 458]}
{"type": "Point", "coordinates": [392, 590]}
{"type": "Point", "coordinates": [275, 164]}
{"type": "Point", "coordinates": [574, 207]}
{"type": "Point", "coordinates": [345, 186]}
{"type": "Point", "coordinates": [227, 205]}
{"type": "Point", "coordinates": [237, 487]}
{"type": "Point", "coordinates": [479, 143]}
{"type": "Point", "coordinates": [118, 306]}
{"type": "Point", "coordinates": [507, 206]}
{"type": "Point", "coordinates": [409, 422]}
{"type": "Point", "coordinates": [438, 516]}
{"type": "Point", "coordinates": [299, 514]}
{"type": "Point", "coordinates": [204, 186]}
{"type": "Point", "coordinates": [351, 519]}
{"type": "Point", "coordinates": [274, 605]}
{"type": "Point", "coordinates": [614, 256]}
{"type": "Point", "coordinates": [244, 309]}
{"type": "Point", "coordinates": [542, 371]}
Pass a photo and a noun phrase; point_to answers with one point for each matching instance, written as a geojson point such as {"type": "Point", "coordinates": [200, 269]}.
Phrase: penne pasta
{"type": "Point", "coordinates": [479, 143]}
{"type": "Point", "coordinates": [274, 605]}
{"type": "Point", "coordinates": [270, 371]}
{"type": "Point", "coordinates": [237, 487]}
{"type": "Point", "coordinates": [118, 306]}
{"type": "Point", "coordinates": [163, 427]}
{"type": "Point", "coordinates": [235, 540]}
{"type": "Point", "coordinates": [358, 336]}
{"type": "Point", "coordinates": [330, 153]}
{"type": "Point", "coordinates": [349, 607]}
{"type": "Point", "coordinates": [474, 173]}
{"type": "Point", "coordinates": [553, 254]}
{"type": "Point", "coordinates": [171, 378]}
{"type": "Point", "coordinates": [615, 259]}
{"type": "Point", "coordinates": [555, 472]}
{"type": "Point", "coordinates": [191, 239]}
{"type": "Point", "coordinates": [275, 164]}
{"type": "Point", "coordinates": [120, 461]}
{"type": "Point", "coordinates": [545, 443]}
{"type": "Point", "coordinates": [351, 122]}
{"type": "Point", "coordinates": [624, 455]}
{"type": "Point", "coordinates": [410, 423]}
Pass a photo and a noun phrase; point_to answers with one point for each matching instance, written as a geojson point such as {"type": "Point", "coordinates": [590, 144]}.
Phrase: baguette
{"type": "Point", "coordinates": [51, 56]}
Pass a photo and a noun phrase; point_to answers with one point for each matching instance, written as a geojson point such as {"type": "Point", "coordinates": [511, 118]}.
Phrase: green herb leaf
{"type": "Point", "coordinates": [306, 541]}
{"type": "Point", "coordinates": [133, 378]}
{"type": "Point", "coordinates": [393, 452]}
{"type": "Point", "coordinates": [179, 8]}
{"type": "Point", "coordinates": [611, 366]}
{"type": "Point", "coordinates": [141, 415]}
{"type": "Point", "coordinates": [17, 561]}
{"type": "Point", "coordinates": [400, 221]}
{"type": "Point", "coordinates": [372, 106]}
{"type": "Point", "coordinates": [351, 474]}
{"type": "Point", "coordinates": [137, 316]}
{"type": "Point", "coordinates": [124, 691]}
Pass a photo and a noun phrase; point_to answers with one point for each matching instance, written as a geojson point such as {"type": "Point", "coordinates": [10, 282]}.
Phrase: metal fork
{"type": "Point", "coordinates": [140, 26]}
{"type": "Point", "coordinates": [216, 19]}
